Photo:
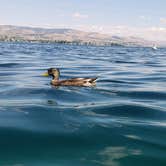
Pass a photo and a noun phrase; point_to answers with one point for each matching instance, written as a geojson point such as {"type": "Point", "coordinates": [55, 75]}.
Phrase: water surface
{"type": "Point", "coordinates": [119, 122]}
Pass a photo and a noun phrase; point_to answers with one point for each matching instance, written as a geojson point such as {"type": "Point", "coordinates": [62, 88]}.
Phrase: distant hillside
{"type": "Point", "coordinates": [29, 34]}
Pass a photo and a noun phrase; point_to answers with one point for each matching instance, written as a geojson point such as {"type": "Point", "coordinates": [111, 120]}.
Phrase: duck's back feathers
{"type": "Point", "coordinates": [75, 82]}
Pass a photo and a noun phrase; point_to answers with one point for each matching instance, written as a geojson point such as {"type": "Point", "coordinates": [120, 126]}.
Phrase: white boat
{"type": "Point", "coordinates": [154, 47]}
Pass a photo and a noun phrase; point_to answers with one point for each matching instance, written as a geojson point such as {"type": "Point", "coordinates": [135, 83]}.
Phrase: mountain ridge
{"type": "Point", "coordinates": [66, 35]}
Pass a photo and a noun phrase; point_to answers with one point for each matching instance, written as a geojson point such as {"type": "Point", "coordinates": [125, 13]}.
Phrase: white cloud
{"type": "Point", "coordinates": [78, 15]}
{"type": "Point", "coordinates": [163, 20]}
{"type": "Point", "coordinates": [145, 18]}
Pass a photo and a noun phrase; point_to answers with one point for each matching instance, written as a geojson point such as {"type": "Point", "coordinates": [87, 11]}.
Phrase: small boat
{"type": "Point", "coordinates": [154, 47]}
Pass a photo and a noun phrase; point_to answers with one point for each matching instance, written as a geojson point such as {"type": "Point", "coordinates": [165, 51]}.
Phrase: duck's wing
{"type": "Point", "coordinates": [84, 79]}
{"type": "Point", "coordinates": [79, 82]}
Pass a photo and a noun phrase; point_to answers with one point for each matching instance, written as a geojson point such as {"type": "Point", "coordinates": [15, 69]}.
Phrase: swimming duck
{"type": "Point", "coordinates": [55, 73]}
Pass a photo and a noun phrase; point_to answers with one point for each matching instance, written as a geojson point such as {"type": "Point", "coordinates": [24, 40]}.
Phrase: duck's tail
{"type": "Point", "coordinates": [90, 81]}
{"type": "Point", "coordinates": [93, 80]}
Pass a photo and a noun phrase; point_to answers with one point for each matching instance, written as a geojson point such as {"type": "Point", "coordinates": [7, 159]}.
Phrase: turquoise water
{"type": "Point", "coordinates": [119, 122]}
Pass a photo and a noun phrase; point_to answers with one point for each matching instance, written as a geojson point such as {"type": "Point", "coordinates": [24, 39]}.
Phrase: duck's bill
{"type": "Point", "coordinates": [45, 74]}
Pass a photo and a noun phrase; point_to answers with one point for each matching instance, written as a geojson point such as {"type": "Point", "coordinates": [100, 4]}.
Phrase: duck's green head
{"type": "Point", "coordinates": [55, 73]}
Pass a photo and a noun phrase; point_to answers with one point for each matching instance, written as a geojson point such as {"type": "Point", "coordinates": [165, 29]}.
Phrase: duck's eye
{"type": "Point", "coordinates": [50, 71]}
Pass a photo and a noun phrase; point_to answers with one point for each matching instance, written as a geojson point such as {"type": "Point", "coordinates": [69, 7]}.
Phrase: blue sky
{"type": "Point", "coordinates": [123, 17]}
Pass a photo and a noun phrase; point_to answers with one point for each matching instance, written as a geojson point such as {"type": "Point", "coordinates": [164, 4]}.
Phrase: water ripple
{"type": "Point", "coordinates": [120, 121]}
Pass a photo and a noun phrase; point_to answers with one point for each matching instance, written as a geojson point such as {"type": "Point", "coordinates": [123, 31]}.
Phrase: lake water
{"type": "Point", "coordinates": [119, 122]}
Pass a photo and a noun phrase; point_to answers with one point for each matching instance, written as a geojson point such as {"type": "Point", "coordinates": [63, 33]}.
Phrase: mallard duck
{"type": "Point", "coordinates": [55, 73]}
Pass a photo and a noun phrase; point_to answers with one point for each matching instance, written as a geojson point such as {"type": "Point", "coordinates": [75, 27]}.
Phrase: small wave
{"type": "Point", "coordinates": [143, 95]}
{"type": "Point", "coordinates": [128, 62]}
{"type": "Point", "coordinates": [132, 111]}
{"type": "Point", "coordinates": [64, 95]}
{"type": "Point", "coordinates": [119, 81]}
{"type": "Point", "coordinates": [9, 64]}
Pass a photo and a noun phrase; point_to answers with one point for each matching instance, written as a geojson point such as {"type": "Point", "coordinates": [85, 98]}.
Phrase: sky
{"type": "Point", "coordinates": [142, 18]}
